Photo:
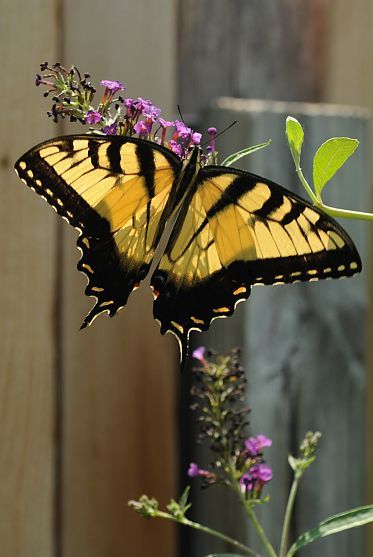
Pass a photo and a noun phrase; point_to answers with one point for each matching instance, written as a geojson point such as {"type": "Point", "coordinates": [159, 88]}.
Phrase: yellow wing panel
{"type": "Point", "coordinates": [114, 190]}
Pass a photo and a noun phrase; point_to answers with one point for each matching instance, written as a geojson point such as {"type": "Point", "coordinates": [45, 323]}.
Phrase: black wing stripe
{"type": "Point", "coordinates": [293, 214]}
{"type": "Point", "coordinates": [93, 153]}
{"type": "Point", "coordinates": [113, 153]}
{"type": "Point", "coordinates": [232, 194]}
{"type": "Point", "coordinates": [147, 166]}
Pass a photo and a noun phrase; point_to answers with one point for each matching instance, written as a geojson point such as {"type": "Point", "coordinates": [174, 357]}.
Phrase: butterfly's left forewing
{"type": "Point", "coordinates": [116, 191]}
{"type": "Point", "coordinates": [239, 230]}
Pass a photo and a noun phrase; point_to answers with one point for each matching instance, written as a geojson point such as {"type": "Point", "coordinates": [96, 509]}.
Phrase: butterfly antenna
{"type": "Point", "coordinates": [180, 114]}
{"type": "Point", "coordinates": [221, 133]}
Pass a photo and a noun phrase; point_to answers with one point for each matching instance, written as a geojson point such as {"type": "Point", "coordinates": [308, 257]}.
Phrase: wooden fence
{"type": "Point", "coordinates": [304, 346]}
{"type": "Point", "coordinates": [88, 419]}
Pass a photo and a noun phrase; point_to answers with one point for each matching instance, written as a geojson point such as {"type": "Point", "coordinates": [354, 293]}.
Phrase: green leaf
{"type": "Point", "coordinates": [333, 525]}
{"type": "Point", "coordinates": [329, 158]}
{"type": "Point", "coordinates": [295, 136]}
{"type": "Point", "coordinates": [236, 156]}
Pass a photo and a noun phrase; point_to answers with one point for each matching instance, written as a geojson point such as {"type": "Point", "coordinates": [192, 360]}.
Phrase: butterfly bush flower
{"type": "Point", "coordinates": [142, 128]}
{"type": "Point", "coordinates": [199, 354]}
{"type": "Point", "coordinates": [73, 97]}
{"type": "Point", "coordinates": [219, 401]}
{"type": "Point", "coordinates": [93, 117]}
{"type": "Point", "coordinates": [253, 481]}
{"type": "Point", "coordinates": [112, 86]}
{"type": "Point", "coordinates": [255, 445]}
{"type": "Point", "coordinates": [110, 129]}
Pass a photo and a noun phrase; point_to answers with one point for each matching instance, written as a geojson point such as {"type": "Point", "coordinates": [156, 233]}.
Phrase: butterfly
{"type": "Point", "coordinates": [231, 229]}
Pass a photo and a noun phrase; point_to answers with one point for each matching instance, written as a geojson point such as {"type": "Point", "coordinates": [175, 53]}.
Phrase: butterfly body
{"type": "Point", "coordinates": [231, 229]}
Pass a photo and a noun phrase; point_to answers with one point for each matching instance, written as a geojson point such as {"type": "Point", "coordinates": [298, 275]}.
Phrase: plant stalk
{"type": "Point", "coordinates": [288, 513]}
{"type": "Point", "coordinates": [261, 533]}
{"type": "Point", "coordinates": [201, 528]}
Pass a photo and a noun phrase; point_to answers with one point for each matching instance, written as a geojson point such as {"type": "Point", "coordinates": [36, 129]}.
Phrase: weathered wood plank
{"type": "Point", "coordinates": [348, 81]}
{"type": "Point", "coordinates": [119, 414]}
{"type": "Point", "coordinates": [27, 293]}
{"type": "Point", "coordinates": [243, 49]}
{"type": "Point", "coordinates": [304, 345]}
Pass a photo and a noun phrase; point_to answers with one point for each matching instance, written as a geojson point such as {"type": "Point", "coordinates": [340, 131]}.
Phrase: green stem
{"type": "Point", "coordinates": [332, 211]}
{"type": "Point", "coordinates": [344, 213]}
{"type": "Point", "coordinates": [306, 185]}
{"type": "Point", "coordinates": [288, 513]}
{"type": "Point", "coordinates": [250, 511]}
{"type": "Point", "coordinates": [261, 533]}
{"type": "Point", "coordinates": [186, 522]}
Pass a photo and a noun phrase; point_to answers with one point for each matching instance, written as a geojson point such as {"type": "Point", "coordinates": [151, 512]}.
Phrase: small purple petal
{"type": "Point", "coordinates": [193, 470]}
{"type": "Point", "coordinates": [142, 128]}
{"type": "Point", "coordinates": [113, 86]}
{"type": "Point", "coordinates": [199, 354]}
{"type": "Point", "coordinates": [110, 130]}
{"type": "Point", "coordinates": [251, 445]}
{"type": "Point", "coordinates": [128, 102]}
{"type": "Point", "coordinates": [263, 441]}
{"type": "Point", "coordinates": [165, 123]}
{"type": "Point", "coordinates": [255, 445]}
{"type": "Point", "coordinates": [142, 105]}
{"type": "Point", "coordinates": [246, 483]}
{"type": "Point", "coordinates": [212, 134]}
{"type": "Point", "coordinates": [196, 138]}
{"type": "Point", "coordinates": [152, 112]}
{"type": "Point", "coordinates": [182, 130]}
{"type": "Point", "coordinates": [93, 117]}
{"type": "Point", "coordinates": [175, 147]}
{"type": "Point", "coordinates": [261, 472]}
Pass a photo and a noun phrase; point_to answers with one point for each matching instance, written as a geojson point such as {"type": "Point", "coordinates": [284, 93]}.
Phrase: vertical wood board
{"type": "Point", "coordinates": [27, 293]}
{"type": "Point", "coordinates": [349, 80]}
{"type": "Point", "coordinates": [305, 344]}
{"type": "Point", "coordinates": [249, 49]}
{"type": "Point", "coordinates": [119, 412]}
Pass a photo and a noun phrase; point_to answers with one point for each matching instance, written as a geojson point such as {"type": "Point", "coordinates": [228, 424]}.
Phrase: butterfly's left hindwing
{"type": "Point", "coordinates": [238, 230]}
{"type": "Point", "coordinates": [116, 191]}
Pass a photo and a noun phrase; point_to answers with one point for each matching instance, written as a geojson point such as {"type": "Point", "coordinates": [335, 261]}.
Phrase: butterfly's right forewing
{"type": "Point", "coordinates": [115, 191]}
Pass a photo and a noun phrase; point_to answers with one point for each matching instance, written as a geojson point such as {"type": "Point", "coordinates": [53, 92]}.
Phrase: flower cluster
{"type": "Point", "coordinates": [73, 96]}
{"type": "Point", "coordinates": [222, 418]}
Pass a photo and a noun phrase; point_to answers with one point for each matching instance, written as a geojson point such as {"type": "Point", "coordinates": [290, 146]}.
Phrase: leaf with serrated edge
{"type": "Point", "coordinates": [333, 525]}
{"type": "Point", "coordinates": [295, 136]}
{"type": "Point", "coordinates": [244, 152]}
{"type": "Point", "coordinates": [329, 158]}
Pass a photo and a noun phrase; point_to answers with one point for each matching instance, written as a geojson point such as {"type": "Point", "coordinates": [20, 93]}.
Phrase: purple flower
{"type": "Point", "coordinates": [212, 134]}
{"type": "Point", "coordinates": [142, 128]}
{"type": "Point", "coordinates": [93, 117]}
{"type": "Point", "coordinates": [255, 445]}
{"type": "Point", "coordinates": [110, 129]}
{"type": "Point", "coordinates": [165, 123]}
{"type": "Point", "coordinates": [199, 354]}
{"type": "Point", "coordinates": [246, 483]}
{"type": "Point", "coordinates": [261, 472]}
{"type": "Point", "coordinates": [175, 147]}
{"type": "Point", "coordinates": [151, 111]}
{"type": "Point", "coordinates": [193, 470]}
{"type": "Point", "coordinates": [196, 138]}
{"type": "Point", "coordinates": [142, 105]}
{"type": "Point", "coordinates": [182, 130]}
{"type": "Point", "coordinates": [255, 478]}
{"type": "Point", "coordinates": [112, 86]}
